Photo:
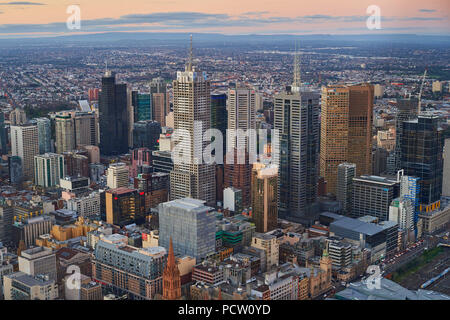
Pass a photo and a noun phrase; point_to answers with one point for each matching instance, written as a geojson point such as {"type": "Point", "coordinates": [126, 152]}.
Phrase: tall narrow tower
{"type": "Point", "coordinates": [296, 117]}
{"type": "Point", "coordinates": [346, 130]}
{"type": "Point", "coordinates": [113, 116]}
{"type": "Point", "coordinates": [192, 113]}
{"type": "Point", "coordinates": [171, 277]}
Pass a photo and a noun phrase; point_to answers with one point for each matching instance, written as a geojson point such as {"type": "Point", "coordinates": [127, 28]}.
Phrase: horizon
{"type": "Point", "coordinates": [51, 17]}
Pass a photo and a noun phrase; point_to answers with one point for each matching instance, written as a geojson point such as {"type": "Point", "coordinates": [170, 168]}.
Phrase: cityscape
{"type": "Point", "coordinates": [224, 157]}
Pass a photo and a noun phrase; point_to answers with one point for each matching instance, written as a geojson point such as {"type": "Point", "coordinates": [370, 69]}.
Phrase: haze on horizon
{"type": "Point", "coordinates": [48, 17]}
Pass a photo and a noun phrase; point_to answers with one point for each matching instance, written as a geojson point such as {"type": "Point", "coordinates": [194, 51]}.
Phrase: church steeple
{"type": "Point", "coordinates": [171, 277]}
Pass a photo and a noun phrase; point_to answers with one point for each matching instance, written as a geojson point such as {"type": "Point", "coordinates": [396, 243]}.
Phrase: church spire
{"type": "Point", "coordinates": [171, 277]}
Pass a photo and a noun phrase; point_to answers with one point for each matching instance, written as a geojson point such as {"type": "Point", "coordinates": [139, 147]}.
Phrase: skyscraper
{"type": "Point", "coordinates": [346, 173]}
{"type": "Point", "coordinates": [192, 112]}
{"type": "Point", "coordinates": [406, 110]}
{"type": "Point", "coordinates": [65, 132]}
{"type": "Point", "coordinates": [44, 134]}
{"type": "Point", "coordinates": [219, 115]}
{"type": "Point", "coordinates": [296, 117]}
{"type": "Point", "coordinates": [240, 151]}
{"type": "Point", "coordinates": [3, 135]}
{"type": "Point", "coordinates": [86, 129]}
{"type": "Point", "coordinates": [346, 130]}
{"type": "Point", "coordinates": [241, 115]}
{"type": "Point", "coordinates": [15, 169]}
{"type": "Point", "coordinates": [146, 134]}
{"type": "Point", "coordinates": [372, 195]}
{"type": "Point", "coordinates": [264, 197]}
{"type": "Point", "coordinates": [48, 169]}
{"type": "Point", "coordinates": [160, 100]}
{"type": "Point", "coordinates": [142, 106]}
{"type": "Point", "coordinates": [113, 116]}
{"type": "Point", "coordinates": [25, 145]}
{"type": "Point", "coordinates": [190, 224]}
{"type": "Point", "coordinates": [124, 206]}
{"type": "Point", "coordinates": [446, 173]}
{"type": "Point", "coordinates": [117, 175]}
{"type": "Point", "coordinates": [422, 146]}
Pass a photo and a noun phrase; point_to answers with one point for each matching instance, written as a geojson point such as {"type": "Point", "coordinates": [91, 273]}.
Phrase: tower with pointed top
{"type": "Point", "coordinates": [192, 118]}
{"type": "Point", "coordinates": [326, 264]}
{"type": "Point", "coordinates": [171, 277]}
{"type": "Point", "coordinates": [296, 117]}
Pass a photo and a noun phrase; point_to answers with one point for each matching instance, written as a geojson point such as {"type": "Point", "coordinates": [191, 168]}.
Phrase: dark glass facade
{"type": "Point", "coordinates": [422, 155]}
{"type": "Point", "coordinates": [113, 117]}
{"type": "Point", "coordinates": [146, 134]}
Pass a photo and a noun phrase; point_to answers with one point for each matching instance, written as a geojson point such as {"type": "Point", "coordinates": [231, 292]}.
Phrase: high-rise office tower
{"type": "Point", "coordinates": [219, 115]}
{"type": "Point", "coordinates": [140, 158]}
{"type": "Point", "coordinates": [219, 121]}
{"type": "Point", "coordinates": [446, 173]}
{"type": "Point", "coordinates": [3, 135]}
{"type": "Point", "coordinates": [241, 116]}
{"type": "Point", "coordinates": [240, 149]}
{"type": "Point", "coordinates": [117, 175]}
{"type": "Point", "coordinates": [17, 117]}
{"type": "Point", "coordinates": [15, 169]}
{"type": "Point", "coordinates": [113, 116]}
{"type": "Point", "coordinates": [142, 106]}
{"type": "Point", "coordinates": [296, 117]}
{"type": "Point", "coordinates": [86, 129]}
{"type": "Point", "coordinates": [44, 134]}
{"type": "Point", "coordinates": [192, 112]}
{"type": "Point", "coordinates": [190, 224]}
{"type": "Point", "coordinates": [346, 173]}
{"type": "Point", "coordinates": [124, 206]}
{"type": "Point", "coordinates": [93, 94]}
{"type": "Point", "coordinates": [401, 211]}
{"type": "Point", "coordinates": [264, 197]}
{"type": "Point", "coordinates": [160, 100]}
{"type": "Point", "coordinates": [406, 110]}
{"type": "Point", "coordinates": [146, 134]}
{"type": "Point", "coordinates": [65, 132]}
{"type": "Point", "coordinates": [422, 156]}
{"type": "Point", "coordinates": [238, 174]}
{"type": "Point", "coordinates": [25, 145]}
{"type": "Point", "coordinates": [372, 195]}
{"type": "Point", "coordinates": [48, 169]}
{"type": "Point", "coordinates": [76, 164]}
{"type": "Point", "coordinates": [346, 130]}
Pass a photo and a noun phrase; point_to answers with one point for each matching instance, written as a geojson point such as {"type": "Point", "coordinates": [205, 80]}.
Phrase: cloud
{"type": "Point", "coordinates": [21, 3]}
{"type": "Point", "coordinates": [170, 21]}
{"type": "Point", "coordinates": [427, 10]}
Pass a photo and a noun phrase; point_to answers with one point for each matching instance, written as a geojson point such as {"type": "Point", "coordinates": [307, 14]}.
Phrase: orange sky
{"type": "Point", "coordinates": [398, 16]}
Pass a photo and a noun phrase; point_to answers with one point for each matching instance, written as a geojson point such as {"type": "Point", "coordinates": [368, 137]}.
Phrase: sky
{"type": "Point", "coordinates": [49, 17]}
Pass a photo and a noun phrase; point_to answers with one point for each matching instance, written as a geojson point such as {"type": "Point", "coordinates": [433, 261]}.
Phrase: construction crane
{"type": "Point", "coordinates": [420, 92]}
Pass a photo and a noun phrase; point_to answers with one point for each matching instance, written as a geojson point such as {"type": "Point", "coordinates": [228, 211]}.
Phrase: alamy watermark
{"type": "Point", "coordinates": [74, 20]}
{"type": "Point", "coordinates": [373, 22]}
{"type": "Point", "coordinates": [207, 147]}
{"type": "Point", "coordinates": [374, 279]}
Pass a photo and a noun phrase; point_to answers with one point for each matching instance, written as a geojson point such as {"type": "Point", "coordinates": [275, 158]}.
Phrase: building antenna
{"type": "Point", "coordinates": [297, 81]}
{"type": "Point", "coordinates": [189, 67]}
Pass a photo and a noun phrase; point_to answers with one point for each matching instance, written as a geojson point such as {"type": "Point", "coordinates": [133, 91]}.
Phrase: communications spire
{"type": "Point", "coordinates": [297, 80]}
{"type": "Point", "coordinates": [189, 65]}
